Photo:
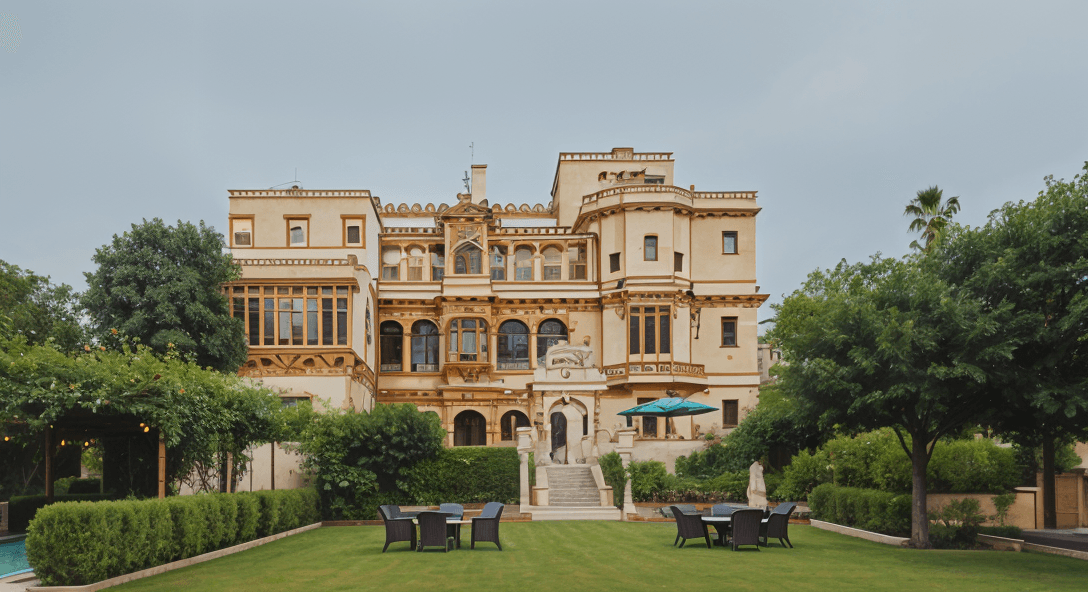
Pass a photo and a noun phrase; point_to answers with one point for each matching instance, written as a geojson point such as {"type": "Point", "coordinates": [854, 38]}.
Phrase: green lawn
{"type": "Point", "coordinates": [574, 556]}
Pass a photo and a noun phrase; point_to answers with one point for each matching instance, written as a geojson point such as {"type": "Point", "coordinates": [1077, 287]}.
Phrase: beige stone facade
{"type": "Point", "coordinates": [454, 307]}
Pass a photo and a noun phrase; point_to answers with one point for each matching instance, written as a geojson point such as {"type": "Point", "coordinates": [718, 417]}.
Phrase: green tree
{"type": "Point", "coordinates": [163, 285]}
{"type": "Point", "coordinates": [39, 310]}
{"type": "Point", "coordinates": [1031, 260]}
{"type": "Point", "coordinates": [888, 344]}
{"type": "Point", "coordinates": [931, 215]}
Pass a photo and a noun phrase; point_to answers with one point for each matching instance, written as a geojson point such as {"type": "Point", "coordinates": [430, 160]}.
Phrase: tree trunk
{"type": "Point", "coordinates": [919, 517]}
{"type": "Point", "coordinates": [1050, 505]}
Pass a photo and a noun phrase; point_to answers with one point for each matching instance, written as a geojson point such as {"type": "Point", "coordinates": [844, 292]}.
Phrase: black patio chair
{"type": "Point", "coordinates": [485, 527]}
{"type": "Point", "coordinates": [777, 525]}
{"type": "Point", "coordinates": [689, 526]}
{"type": "Point", "coordinates": [432, 531]}
{"type": "Point", "coordinates": [396, 530]}
{"type": "Point", "coordinates": [745, 527]}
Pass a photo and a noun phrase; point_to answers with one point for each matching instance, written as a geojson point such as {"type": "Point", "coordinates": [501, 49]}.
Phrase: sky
{"type": "Point", "coordinates": [837, 113]}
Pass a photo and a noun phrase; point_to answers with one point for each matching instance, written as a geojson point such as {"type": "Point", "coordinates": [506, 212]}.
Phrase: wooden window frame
{"type": "Point", "coordinates": [639, 312]}
{"type": "Point", "coordinates": [730, 407]}
{"type": "Point", "coordinates": [657, 247]}
{"type": "Point", "coordinates": [678, 262]}
{"type": "Point", "coordinates": [736, 331]}
{"type": "Point", "coordinates": [736, 242]}
{"type": "Point", "coordinates": [614, 263]}
{"type": "Point", "coordinates": [344, 220]}
{"type": "Point", "coordinates": [241, 294]}
{"type": "Point", "coordinates": [288, 219]}
{"type": "Point", "coordinates": [252, 230]}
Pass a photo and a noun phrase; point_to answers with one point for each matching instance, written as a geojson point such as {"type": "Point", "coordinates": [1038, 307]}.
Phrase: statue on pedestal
{"type": "Point", "coordinates": [757, 487]}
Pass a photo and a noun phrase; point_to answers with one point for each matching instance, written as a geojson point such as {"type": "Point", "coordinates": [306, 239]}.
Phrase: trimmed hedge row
{"type": "Point", "coordinates": [867, 509]}
{"type": "Point", "coordinates": [22, 508]}
{"type": "Point", "coordinates": [73, 544]}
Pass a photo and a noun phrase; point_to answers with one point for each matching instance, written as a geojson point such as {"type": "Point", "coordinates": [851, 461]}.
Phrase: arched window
{"type": "Point", "coordinates": [468, 340]}
{"type": "Point", "coordinates": [523, 264]}
{"type": "Point", "coordinates": [467, 260]}
{"type": "Point", "coordinates": [510, 422]}
{"type": "Point", "coordinates": [390, 263]}
{"type": "Point", "coordinates": [424, 347]}
{"type": "Point", "coordinates": [498, 263]}
{"type": "Point", "coordinates": [416, 260]}
{"type": "Point", "coordinates": [469, 429]}
{"type": "Point", "coordinates": [553, 264]}
{"type": "Point", "coordinates": [550, 333]}
{"type": "Point", "coordinates": [513, 346]}
{"type": "Point", "coordinates": [391, 344]}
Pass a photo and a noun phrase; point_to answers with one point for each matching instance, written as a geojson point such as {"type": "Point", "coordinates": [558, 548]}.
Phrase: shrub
{"type": "Point", "coordinates": [465, 475]}
{"type": "Point", "coordinates": [72, 544]}
{"type": "Point", "coordinates": [1008, 532]}
{"type": "Point", "coordinates": [972, 466]}
{"type": "Point", "coordinates": [22, 508]}
{"type": "Point", "coordinates": [867, 509]}
{"type": "Point", "coordinates": [614, 475]}
{"type": "Point", "coordinates": [956, 525]}
{"type": "Point", "coordinates": [648, 479]}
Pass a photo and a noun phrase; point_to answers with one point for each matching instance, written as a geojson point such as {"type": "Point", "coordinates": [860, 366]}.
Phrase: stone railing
{"type": "Point", "coordinates": [592, 197]}
{"type": "Point", "coordinates": [654, 369]}
{"type": "Point", "coordinates": [612, 156]}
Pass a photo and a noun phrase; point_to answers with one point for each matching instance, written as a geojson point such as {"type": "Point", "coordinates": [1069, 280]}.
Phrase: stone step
{"type": "Point", "coordinates": [573, 513]}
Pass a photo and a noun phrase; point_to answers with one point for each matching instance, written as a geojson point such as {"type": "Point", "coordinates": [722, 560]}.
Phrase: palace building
{"type": "Point", "coordinates": [621, 289]}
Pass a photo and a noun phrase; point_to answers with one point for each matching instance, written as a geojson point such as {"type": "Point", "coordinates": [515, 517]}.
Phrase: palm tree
{"type": "Point", "coordinates": [930, 215]}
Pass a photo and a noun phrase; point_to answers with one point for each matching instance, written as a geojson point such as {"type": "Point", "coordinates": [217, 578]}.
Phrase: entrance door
{"type": "Point", "coordinates": [469, 429]}
{"type": "Point", "coordinates": [559, 431]}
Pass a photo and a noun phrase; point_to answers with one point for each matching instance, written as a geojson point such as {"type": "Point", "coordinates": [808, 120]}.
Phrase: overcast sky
{"type": "Point", "coordinates": [836, 112]}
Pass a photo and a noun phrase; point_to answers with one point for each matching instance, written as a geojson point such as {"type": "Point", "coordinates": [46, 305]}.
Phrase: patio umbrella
{"type": "Point", "coordinates": [670, 407]}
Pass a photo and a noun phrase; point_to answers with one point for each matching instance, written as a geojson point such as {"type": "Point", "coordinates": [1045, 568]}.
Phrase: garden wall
{"type": "Point", "coordinates": [1021, 513]}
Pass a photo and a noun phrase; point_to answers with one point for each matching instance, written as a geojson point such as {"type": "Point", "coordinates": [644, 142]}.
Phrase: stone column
{"type": "Point", "coordinates": [525, 446]}
{"type": "Point", "coordinates": [624, 447]}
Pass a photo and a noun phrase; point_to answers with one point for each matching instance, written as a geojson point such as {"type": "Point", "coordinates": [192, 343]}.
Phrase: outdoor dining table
{"type": "Point", "coordinates": [722, 524]}
{"type": "Point", "coordinates": [453, 527]}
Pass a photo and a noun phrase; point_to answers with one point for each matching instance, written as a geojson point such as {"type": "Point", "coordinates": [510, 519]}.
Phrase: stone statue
{"type": "Point", "coordinates": [757, 487]}
{"type": "Point", "coordinates": [564, 355]}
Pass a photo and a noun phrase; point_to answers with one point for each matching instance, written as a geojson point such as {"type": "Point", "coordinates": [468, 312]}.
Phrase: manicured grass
{"type": "Point", "coordinates": [572, 556]}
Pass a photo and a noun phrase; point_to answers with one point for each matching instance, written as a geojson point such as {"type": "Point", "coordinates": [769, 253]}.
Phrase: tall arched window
{"type": "Point", "coordinates": [468, 340]}
{"type": "Point", "coordinates": [469, 429]}
{"type": "Point", "coordinates": [523, 264]}
{"type": "Point", "coordinates": [391, 344]}
{"type": "Point", "coordinates": [424, 347]}
{"type": "Point", "coordinates": [553, 264]}
{"type": "Point", "coordinates": [513, 346]}
{"type": "Point", "coordinates": [510, 422]}
{"type": "Point", "coordinates": [467, 259]}
{"type": "Point", "coordinates": [551, 332]}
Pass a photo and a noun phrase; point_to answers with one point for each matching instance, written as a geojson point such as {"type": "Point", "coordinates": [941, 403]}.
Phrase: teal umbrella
{"type": "Point", "coordinates": [670, 407]}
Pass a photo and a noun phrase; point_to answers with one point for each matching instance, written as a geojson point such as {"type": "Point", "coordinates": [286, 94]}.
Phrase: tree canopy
{"type": "Point", "coordinates": [163, 285]}
{"type": "Point", "coordinates": [40, 311]}
{"type": "Point", "coordinates": [889, 344]}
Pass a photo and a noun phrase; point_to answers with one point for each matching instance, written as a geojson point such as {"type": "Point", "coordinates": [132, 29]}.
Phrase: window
{"type": "Point", "coordinates": [241, 232]}
{"type": "Point", "coordinates": [576, 255]}
{"type": "Point", "coordinates": [467, 260]}
{"type": "Point", "coordinates": [730, 413]}
{"type": "Point", "coordinates": [550, 333]}
{"type": "Point", "coordinates": [649, 248]}
{"type": "Point", "coordinates": [297, 232]}
{"type": "Point", "coordinates": [614, 262]}
{"type": "Point", "coordinates": [553, 264]}
{"type": "Point", "coordinates": [498, 263]}
{"type": "Point", "coordinates": [678, 262]}
{"type": "Point", "coordinates": [523, 264]}
{"type": "Point", "coordinates": [391, 345]}
{"type": "Point", "coordinates": [654, 179]}
{"type": "Point", "coordinates": [650, 330]}
{"type": "Point", "coordinates": [290, 401]}
{"type": "Point", "coordinates": [729, 331]}
{"type": "Point", "coordinates": [292, 315]}
{"type": "Point", "coordinates": [468, 340]}
{"type": "Point", "coordinates": [729, 242]}
{"type": "Point", "coordinates": [391, 263]}
{"type": "Point", "coordinates": [649, 424]}
{"type": "Point", "coordinates": [416, 260]}
{"type": "Point", "coordinates": [424, 347]}
{"type": "Point", "coordinates": [513, 346]}
{"type": "Point", "coordinates": [353, 232]}
{"type": "Point", "coordinates": [510, 422]}
{"type": "Point", "coordinates": [438, 262]}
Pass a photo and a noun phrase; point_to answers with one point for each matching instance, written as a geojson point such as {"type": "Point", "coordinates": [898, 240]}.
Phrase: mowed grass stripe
{"type": "Point", "coordinates": [571, 556]}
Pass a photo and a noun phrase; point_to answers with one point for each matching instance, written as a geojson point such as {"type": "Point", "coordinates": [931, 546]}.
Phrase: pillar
{"type": "Point", "coordinates": [525, 446]}
{"type": "Point", "coordinates": [624, 447]}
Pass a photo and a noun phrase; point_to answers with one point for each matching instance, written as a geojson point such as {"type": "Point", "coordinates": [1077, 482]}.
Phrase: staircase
{"type": "Point", "coordinates": [573, 495]}
{"type": "Point", "coordinates": [572, 486]}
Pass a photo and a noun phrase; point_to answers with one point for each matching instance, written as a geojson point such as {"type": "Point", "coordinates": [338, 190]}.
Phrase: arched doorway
{"type": "Point", "coordinates": [559, 430]}
{"type": "Point", "coordinates": [469, 429]}
{"type": "Point", "coordinates": [510, 422]}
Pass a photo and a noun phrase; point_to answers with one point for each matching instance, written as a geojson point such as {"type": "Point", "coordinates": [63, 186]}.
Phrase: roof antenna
{"type": "Point", "coordinates": [468, 188]}
{"type": "Point", "coordinates": [295, 182]}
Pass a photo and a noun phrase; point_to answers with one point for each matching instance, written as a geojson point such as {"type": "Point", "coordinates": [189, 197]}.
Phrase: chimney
{"type": "Point", "coordinates": [479, 183]}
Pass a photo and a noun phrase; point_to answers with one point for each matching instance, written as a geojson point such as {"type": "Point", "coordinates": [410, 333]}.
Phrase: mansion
{"type": "Point", "coordinates": [623, 288]}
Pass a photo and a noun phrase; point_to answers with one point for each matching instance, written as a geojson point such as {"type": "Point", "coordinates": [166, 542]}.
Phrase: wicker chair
{"type": "Point", "coordinates": [689, 526]}
{"type": "Point", "coordinates": [745, 527]}
{"type": "Point", "coordinates": [396, 530]}
{"type": "Point", "coordinates": [777, 525]}
{"type": "Point", "coordinates": [432, 531]}
{"type": "Point", "coordinates": [485, 527]}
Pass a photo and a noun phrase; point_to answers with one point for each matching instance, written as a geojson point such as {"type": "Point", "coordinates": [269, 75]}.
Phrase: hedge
{"type": "Point", "coordinates": [74, 544]}
{"type": "Point", "coordinates": [867, 509]}
{"type": "Point", "coordinates": [22, 508]}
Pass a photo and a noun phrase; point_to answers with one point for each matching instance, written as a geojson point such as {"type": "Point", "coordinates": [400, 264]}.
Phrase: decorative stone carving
{"type": "Point", "coordinates": [564, 355]}
{"type": "Point", "coordinates": [757, 487]}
